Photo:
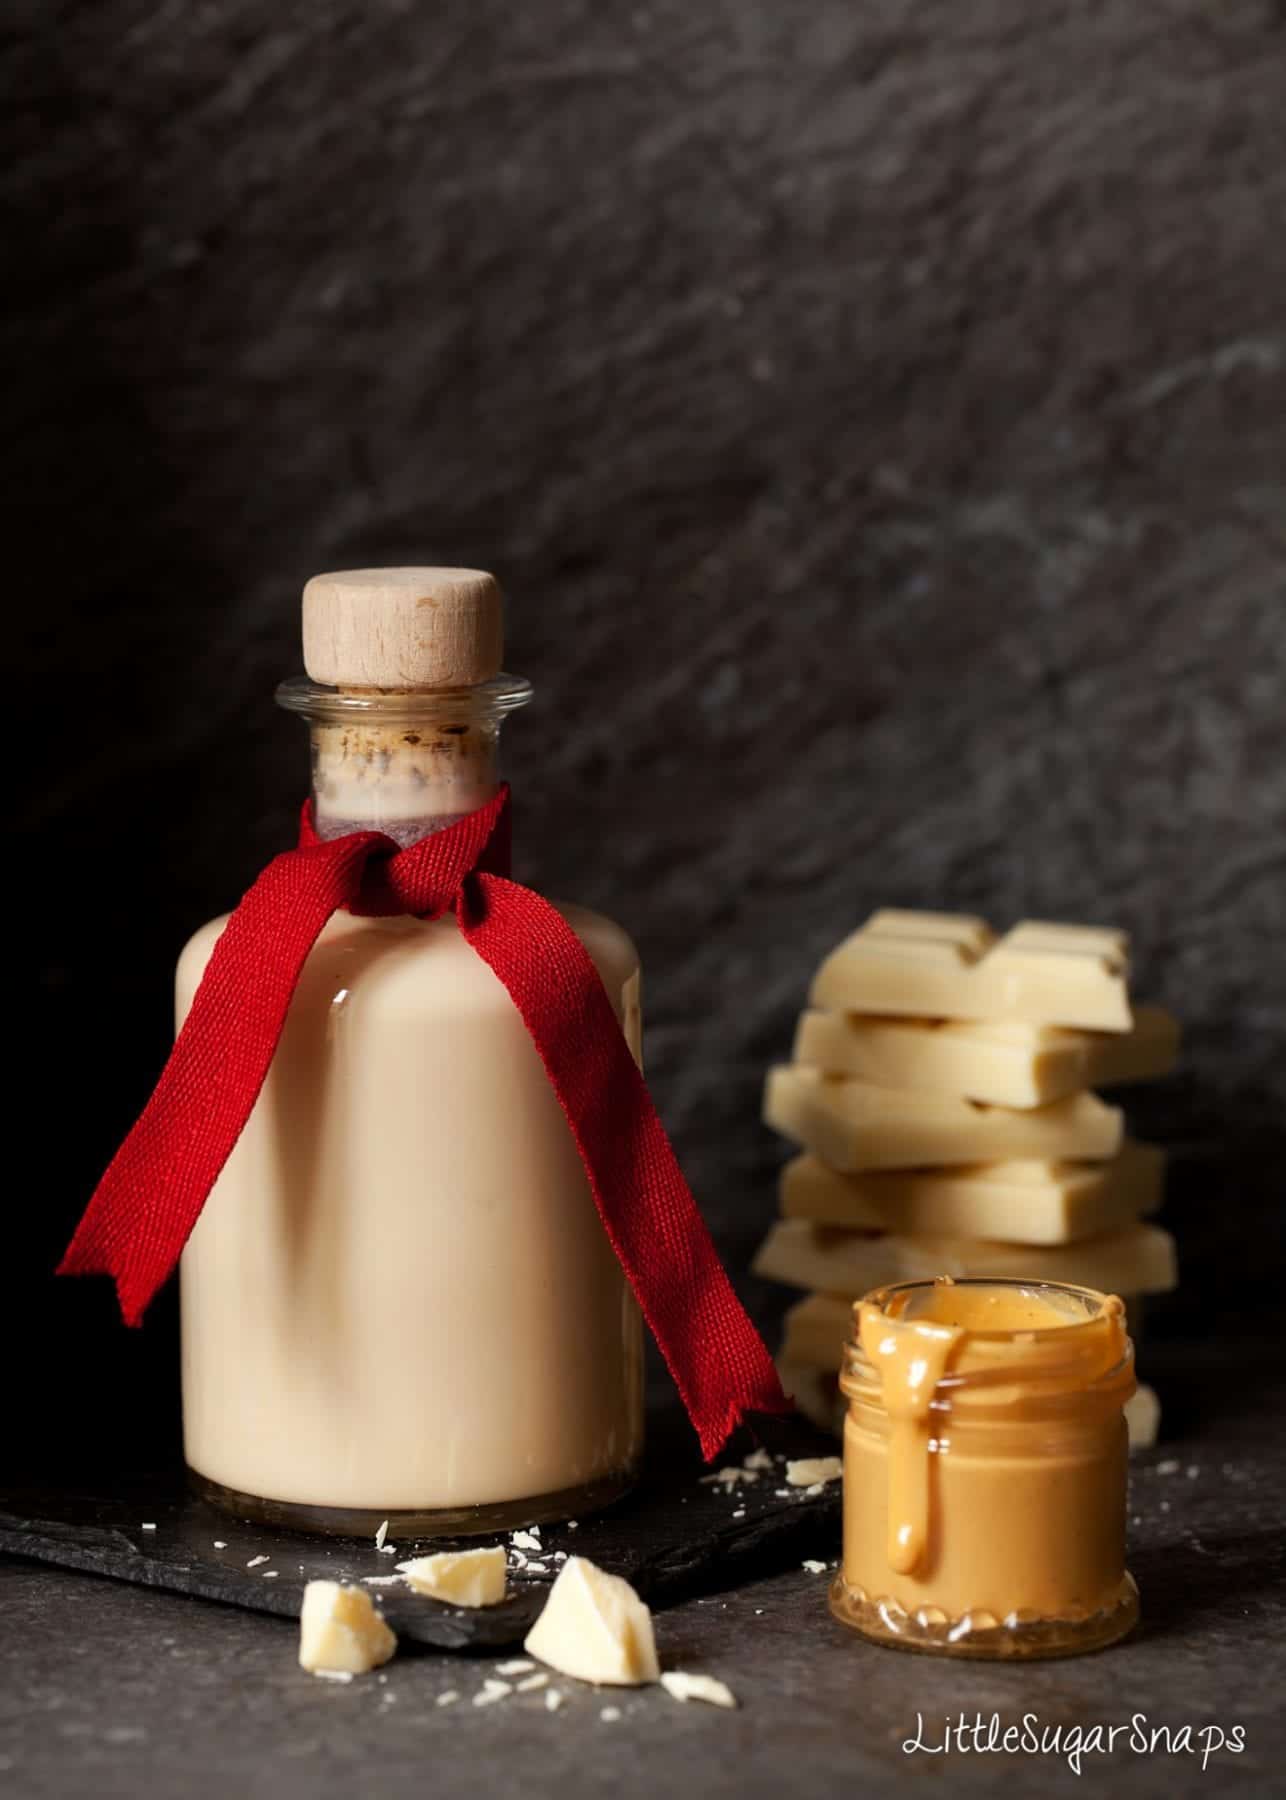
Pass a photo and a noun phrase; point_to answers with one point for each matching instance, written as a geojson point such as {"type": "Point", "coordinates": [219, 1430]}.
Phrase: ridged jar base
{"type": "Point", "coordinates": [1018, 1637]}
{"type": "Point", "coordinates": [419, 1522]}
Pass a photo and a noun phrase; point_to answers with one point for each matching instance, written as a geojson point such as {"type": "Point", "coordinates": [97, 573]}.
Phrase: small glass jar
{"type": "Point", "coordinates": [985, 1457]}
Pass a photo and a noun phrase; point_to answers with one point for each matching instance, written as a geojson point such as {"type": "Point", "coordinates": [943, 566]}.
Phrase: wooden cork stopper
{"type": "Point", "coordinates": [403, 629]}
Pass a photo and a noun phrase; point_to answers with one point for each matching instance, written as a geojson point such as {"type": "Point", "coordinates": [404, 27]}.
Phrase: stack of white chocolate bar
{"type": "Point", "coordinates": [940, 1095]}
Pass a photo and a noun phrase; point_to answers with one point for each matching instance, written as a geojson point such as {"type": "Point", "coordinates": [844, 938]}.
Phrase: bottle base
{"type": "Point", "coordinates": [981, 1635]}
{"type": "Point", "coordinates": [418, 1522]}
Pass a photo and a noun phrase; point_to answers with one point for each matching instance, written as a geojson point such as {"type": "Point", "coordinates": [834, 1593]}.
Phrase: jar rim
{"type": "Point", "coordinates": [1092, 1354]}
{"type": "Point", "coordinates": [1005, 1333]}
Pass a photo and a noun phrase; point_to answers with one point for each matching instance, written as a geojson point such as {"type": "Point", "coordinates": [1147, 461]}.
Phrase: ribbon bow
{"type": "Point", "coordinates": [151, 1196]}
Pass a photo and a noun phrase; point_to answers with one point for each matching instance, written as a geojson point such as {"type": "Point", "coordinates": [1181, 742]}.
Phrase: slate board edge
{"type": "Point", "coordinates": [712, 1563]}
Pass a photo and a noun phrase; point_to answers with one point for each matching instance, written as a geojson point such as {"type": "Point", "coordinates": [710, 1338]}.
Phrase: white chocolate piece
{"type": "Point", "coordinates": [340, 1632]}
{"type": "Point", "coordinates": [1139, 1260]}
{"type": "Point", "coordinates": [815, 1331]}
{"type": "Point", "coordinates": [697, 1687]}
{"type": "Point", "coordinates": [810, 1470]}
{"type": "Point", "coordinates": [854, 1125]}
{"type": "Point", "coordinates": [1143, 1417]}
{"type": "Point", "coordinates": [815, 1392]}
{"type": "Point", "coordinates": [595, 1628]}
{"type": "Point", "coordinates": [403, 630]}
{"type": "Point", "coordinates": [1018, 1202]}
{"type": "Point", "coordinates": [950, 966]}
{"type": "Point", "coordinates": [461, 1577]}
{"type": "Point", "coordinates": [1001, 1061]}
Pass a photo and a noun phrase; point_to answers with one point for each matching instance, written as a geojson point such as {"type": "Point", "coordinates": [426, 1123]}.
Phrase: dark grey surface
{"type": "Point", "coordinates": [110, 1691]}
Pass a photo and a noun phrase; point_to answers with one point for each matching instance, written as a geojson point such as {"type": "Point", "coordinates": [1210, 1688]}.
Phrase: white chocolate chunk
{"type": "Point", "coordinates": [1140, 1260]}
{"type": "Point", "coordinates": [815, 1391]}
{"type": "Point", "coordinates": [814, 1567]}
{"type": "Point", "coordinates": [854, 1124]}
{"type": "Point", "coordinates": [531, 1684]}
{"type": "Point", "coordinates": [951, 966]}
{"type": "Point", "coordinates": [730, 1476]}
{"type": "Point", "coordinates": [340, 1632]}
{"type": "Point", "coordinates": [1004, 1062]}
{"type": "Point", "coordinates": [814, 1332]}
{"type": "Point", "coordinates": [1015, 1201]}
{"type": "Point", "coordinates": [596, 1628]}
{"type": "Point", "coordinates": [553, 1700]}
{"type": "Point", "coordinates": [814, 1470]}
{"type": "Point", "coordinates": [1142, 1417]}
{"type": "Point", "coordinates": [462, 1577]}
{"type": "Point", "coordinates": [697, 1687]}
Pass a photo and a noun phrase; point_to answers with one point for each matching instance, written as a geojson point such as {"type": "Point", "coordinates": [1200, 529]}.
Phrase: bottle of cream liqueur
{"type": "Point", "coordinates": [399, 1302]}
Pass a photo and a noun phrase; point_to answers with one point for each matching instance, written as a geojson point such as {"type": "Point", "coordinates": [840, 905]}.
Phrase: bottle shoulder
{"type": "Point", "coordinates": [396, 957]}
{"type": "Point", "coordinates": [610, 946]}
{"type": "Point", "coordinates": [196, 953]}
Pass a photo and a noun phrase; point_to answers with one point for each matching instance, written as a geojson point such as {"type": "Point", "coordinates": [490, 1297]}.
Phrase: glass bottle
{"type": "Point", "coordinates": [399, 1301]}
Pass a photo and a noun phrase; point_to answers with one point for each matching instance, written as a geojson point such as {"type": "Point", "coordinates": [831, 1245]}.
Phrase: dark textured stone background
{"type": "Point", "coordinates": [877, 415]}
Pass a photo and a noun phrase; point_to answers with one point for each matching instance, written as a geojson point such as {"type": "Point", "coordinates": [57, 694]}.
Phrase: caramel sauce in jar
{"type": "Point", "coordinates": [985, 1469]}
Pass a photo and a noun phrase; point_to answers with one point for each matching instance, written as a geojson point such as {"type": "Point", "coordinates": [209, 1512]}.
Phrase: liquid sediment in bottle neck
{"type": "Point", "coordinates": [404, 778]}
{"type": "Point", "coordinates": [404, 762]}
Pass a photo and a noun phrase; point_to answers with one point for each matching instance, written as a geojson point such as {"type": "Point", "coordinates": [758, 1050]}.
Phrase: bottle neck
{"type": "Point", "coordinates": [403, 764]}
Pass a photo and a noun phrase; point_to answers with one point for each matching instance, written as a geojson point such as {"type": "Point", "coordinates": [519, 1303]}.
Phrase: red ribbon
{"type": "Point", "coordinates": [143, 1209]}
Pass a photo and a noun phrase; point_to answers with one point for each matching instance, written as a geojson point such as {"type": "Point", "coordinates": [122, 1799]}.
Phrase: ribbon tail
{"type": "Point", "coordinates": [144, 1208]}
{"type": "Point", "coordinates": [718, 1360]}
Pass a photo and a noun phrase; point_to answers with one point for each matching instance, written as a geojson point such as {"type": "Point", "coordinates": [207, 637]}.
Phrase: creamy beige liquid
{"type": "Point", "coordinates": [399, 1295]}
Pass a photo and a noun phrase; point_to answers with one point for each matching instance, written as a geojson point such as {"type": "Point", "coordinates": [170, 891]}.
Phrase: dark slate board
{"type": "Point", "coordinates": [673, 1537]}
